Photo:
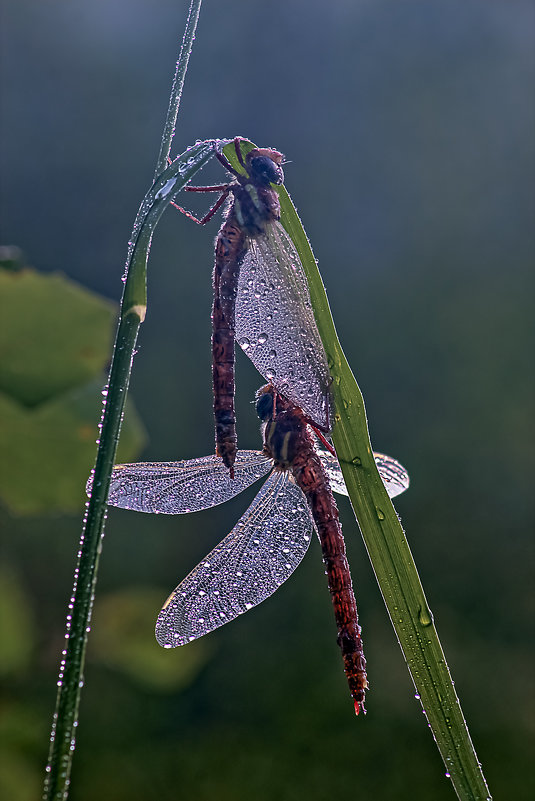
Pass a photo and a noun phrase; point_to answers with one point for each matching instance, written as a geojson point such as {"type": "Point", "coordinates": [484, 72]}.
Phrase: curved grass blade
{"type": "Point", "coordinates": [131, 315]}
{"type": "Point", "coordinates": [385, 539]}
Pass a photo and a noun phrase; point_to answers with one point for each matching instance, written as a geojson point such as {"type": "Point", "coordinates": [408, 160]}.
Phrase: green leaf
{"type": "Point", "coordinates": [48, 451]}
{"type": "Point", "coordinates": [132, 314]}
{"type": "Point", "coordinates": [55, 341]}
{"type": "Point", "coordinates": [11, 258]}
{"type": "Point", "coordinates": [16, 625]}
{"type": "Point", "coordinates": [55, 335]}
{"type": "Point", "coordinates": [19, 777]}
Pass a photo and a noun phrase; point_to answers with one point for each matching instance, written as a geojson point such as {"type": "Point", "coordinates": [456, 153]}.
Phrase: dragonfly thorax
{"type": "Point", "coordinates": [255, 207]}
{"type": "Point", "coordinates": [256, 203]}
{"type": "Point", "coordinates": [284, 428]}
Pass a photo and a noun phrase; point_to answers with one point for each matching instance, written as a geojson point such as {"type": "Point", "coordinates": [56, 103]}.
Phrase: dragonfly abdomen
{"type": "Point", "coordinates": [229, 253]}
{"type": "Point", "coordinates": [288, 441]}
{"type": "Point", "coordinates": [310, 476]}
{"type": "Point", "coordinates": [254, 205]}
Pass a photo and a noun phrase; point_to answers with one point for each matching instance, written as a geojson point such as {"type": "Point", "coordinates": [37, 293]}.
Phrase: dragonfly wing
{"type": "Point", "coordinates": [395, 477]}
{"type": "Point", "coordinates": [178, 487]}
{"type": "Point", "coordinates": [260, 553]}
{"type": "Point", "coordinates": [275, 324]}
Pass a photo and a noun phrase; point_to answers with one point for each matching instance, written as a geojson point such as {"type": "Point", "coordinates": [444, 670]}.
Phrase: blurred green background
{"type": "Point", "coordinates": [409, 130]}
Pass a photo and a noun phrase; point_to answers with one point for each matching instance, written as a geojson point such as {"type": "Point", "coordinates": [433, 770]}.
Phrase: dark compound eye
{"type": "Point", "coordinates": [263, 170]}
{"type": "Point", "coordinates": [264, 406]}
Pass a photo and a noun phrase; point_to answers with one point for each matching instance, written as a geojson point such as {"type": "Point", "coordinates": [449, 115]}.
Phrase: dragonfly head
{"type": "Point", "coordinates": [264, 403]}
{"type": "Point", "coordinates": [270, 404]}
{"type": "Point", "coordinates": [264, 166]}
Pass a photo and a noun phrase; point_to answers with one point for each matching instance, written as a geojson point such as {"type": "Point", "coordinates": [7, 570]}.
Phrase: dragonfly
{"type": "Point", "coordinates": [270, 539]}
{"type": "Point", "coordinates": [261, 298]}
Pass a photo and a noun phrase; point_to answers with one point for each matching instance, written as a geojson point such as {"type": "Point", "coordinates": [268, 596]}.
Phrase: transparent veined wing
{"type": "Point", "coordinates": [395, 477]}
{"type": "Point", "coordinates": [179, 487]}
{"type": "Point", "coordinates": [275, 324]}
{"type": "Point", "coordinates": [260, 553]}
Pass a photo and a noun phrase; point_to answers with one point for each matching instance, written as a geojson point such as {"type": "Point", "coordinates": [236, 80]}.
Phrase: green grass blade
{"type": "Point", "coordinates": [385, 539]}
{"type": "Point", "coordinates": [178, 85]}
{"type": "Point", "coordinates": [131, 315]}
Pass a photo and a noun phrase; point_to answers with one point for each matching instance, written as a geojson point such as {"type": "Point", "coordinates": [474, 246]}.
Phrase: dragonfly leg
{"type": "Point", "coordinates": [237, 148]}
{"type": "Point", "coordinates": [275, 396]}
{"type": "Point", "coordinates": [219, 188]}
{"type": "Point", "coordinates": [321, 438]}
{"type": "Point", "coordinates": [208, 216]}
{"type": "Point", "coordinates": [226, 163]}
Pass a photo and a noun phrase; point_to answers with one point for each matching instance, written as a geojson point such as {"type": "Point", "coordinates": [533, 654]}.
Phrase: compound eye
{"type": "Point", "coordinates": [264, 171]}
{"type": "Point", "coordinates": [264, 406]}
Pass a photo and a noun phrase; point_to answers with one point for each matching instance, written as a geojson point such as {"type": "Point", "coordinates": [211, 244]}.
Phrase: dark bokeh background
{"type": "Point", "coordinates": [409, 131]}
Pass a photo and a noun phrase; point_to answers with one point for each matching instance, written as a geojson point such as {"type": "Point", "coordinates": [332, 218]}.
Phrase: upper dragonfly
{"type": "Point", "coordinates": [270, 539]}
{"type": "Point", "coordinates": [261, 298]}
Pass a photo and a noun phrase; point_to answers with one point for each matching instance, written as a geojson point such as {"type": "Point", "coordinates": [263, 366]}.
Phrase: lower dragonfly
{"type": "Point", "coordinates": [270, 539]}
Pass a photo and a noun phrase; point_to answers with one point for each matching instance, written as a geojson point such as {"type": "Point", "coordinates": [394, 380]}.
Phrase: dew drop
{"type": "Point", "coordinates": [425, 616]}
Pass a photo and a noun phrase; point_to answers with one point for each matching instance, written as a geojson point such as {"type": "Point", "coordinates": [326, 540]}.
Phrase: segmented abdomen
{"type": "Point", "coordinates": [310, 477]}
{"type": "Point", "coordinates": [229, 253]}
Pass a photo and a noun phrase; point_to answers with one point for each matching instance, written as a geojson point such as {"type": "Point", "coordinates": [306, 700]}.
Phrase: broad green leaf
{"type": "Point", "coordinates": [55, 335]}
{"type": "Point", "coordinates": [19, 776]}
{"type": "Point", "coordinates": [48, 451]}
{"type": "Point", "coordinates": [16, 625]}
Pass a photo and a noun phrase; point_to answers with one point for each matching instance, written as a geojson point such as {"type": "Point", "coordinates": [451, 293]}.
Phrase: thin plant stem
{"type": "Point", "coordinates": [178, 85]}
{"type": "Point", "coordinates": [385, 539]}
{"type": "Point", "coordinates": [131, 315]}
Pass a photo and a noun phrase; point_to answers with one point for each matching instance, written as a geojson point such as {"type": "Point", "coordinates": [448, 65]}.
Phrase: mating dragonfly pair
{"type": "Point", "coordinates": [261, 299]}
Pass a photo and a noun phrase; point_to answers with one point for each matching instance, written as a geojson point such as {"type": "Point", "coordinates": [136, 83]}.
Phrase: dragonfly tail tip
{"type": "Point", "coordinates": [359, 707]}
